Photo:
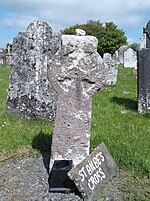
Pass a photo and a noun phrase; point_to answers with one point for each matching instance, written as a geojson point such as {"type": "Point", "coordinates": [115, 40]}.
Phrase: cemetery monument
{"type": "Point", "coordinates": [77, 72]}
{"type": "Point", "coordinates": [30, 94]}
{"type": "Point", "coordinates": [112, 69]}
{"type": "Point", "coordinates": [144, 73]}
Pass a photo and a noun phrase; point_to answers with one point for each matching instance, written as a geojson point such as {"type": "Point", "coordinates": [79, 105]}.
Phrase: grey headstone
{"type": "Point", "coordinates": [120, 53]}
{"type": "Point", "coordinates": [130, 58]}
{"type": "Point", "coordinates": [77, 73]}
{"type": "Point", "coordinates": [9, 59]}
{"type": "Point", "coordinates": [144, 74]}
{"type": "Point", "coordinates": [112, 68]}
{"type": "Point", "coordinates": [30, 93]}
{"type": "Point", "coordinates": [1, 59]}
{"type": "Point", "coordinates": [143, 41]}
{"type": "Point", "coordinates": [93, 172]}
{"type": "Point", "coordinates": [144, 80]}
{"type": "Point", "coordinates": [146, 30]}
{"type": "Point", "coordinates": [106, 56]}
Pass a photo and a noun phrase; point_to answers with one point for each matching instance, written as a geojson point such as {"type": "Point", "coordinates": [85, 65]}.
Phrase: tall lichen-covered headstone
{"type": "Point", "coordinates": [30, 94]}
{"type": "Point", "coordinates": [77, 73]}
{"type": "Point", "coordinates": [144, 74]}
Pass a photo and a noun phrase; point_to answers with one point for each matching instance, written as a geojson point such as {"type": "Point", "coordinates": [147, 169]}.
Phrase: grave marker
{"type": "Point", "coordinates": [76, 72]}
{"type": "Point", "coordinates": [130, 58]}
{"type": "Point", "coordinates": [112, 68]}
{"type": "Point", "coordinates": [93, 172]}
{"type": "Point", "coordinates": [30, 94]}
{"type": "Point", "coordinates": [144, 73]}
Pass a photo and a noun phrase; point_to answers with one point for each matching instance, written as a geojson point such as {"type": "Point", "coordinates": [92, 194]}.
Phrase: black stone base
{"type": "Point", "coordinates": [58, 178]}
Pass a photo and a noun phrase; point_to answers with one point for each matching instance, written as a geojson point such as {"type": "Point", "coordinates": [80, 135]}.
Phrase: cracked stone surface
{"type": "Point", "coordinates": [30, 94]}
{"type": "Point", "coordinates": [76, 72]}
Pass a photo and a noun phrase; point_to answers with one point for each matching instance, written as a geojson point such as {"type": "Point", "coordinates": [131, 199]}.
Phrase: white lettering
{"type": "Point", "coordinates": [103, 176]}
{"type": "Point", "coordinates": [90, 181]}
{"type": "Point", "coordinates": [88, 169]}
{"type": "Point", "coordinates": [93, 170]}
{"type": "Point", "coordinates": [101, 156]}
{"type": "Point", "coordinates": [83, 174]}
{"type": "Point", "coordinates": [92, 166]}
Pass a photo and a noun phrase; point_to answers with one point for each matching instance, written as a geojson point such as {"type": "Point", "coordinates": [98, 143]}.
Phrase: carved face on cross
{"type": "Point", "coordinates": [77, 66]}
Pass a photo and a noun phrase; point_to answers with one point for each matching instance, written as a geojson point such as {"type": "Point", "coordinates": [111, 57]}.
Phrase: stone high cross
{"type": "Point", "coordinates": [76, 72]}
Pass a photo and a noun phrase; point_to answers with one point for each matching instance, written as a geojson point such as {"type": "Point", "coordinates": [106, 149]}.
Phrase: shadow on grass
{"type": "Point", "coordinates": [129, 104]}
{"type": "Point", "coordinates": [42, 142]}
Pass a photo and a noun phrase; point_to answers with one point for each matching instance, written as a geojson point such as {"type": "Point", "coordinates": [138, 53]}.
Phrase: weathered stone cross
{"type": "Point", "coordinates": [76, 72]}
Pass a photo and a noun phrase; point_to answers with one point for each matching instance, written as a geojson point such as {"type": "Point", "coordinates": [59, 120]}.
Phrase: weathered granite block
{"type": "Point", "coordinates": [30, 94]}
{"type": "Point", "coordinates": [76, 71]}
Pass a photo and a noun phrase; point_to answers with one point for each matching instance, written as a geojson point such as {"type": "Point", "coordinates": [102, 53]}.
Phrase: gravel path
{"type": "Point", "coordinates": [27, 180]}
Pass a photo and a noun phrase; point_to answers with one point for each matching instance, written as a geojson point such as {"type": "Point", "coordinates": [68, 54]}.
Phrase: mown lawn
{"type": "Point", "coordinates": [115, 121]}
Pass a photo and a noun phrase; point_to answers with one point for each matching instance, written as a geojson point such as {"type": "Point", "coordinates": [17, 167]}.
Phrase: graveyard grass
{"type": "Point", "coordinates": [115, 121]}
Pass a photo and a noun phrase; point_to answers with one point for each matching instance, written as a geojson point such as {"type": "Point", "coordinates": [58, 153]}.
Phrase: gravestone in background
{"type": "Point", "coordinates": [144, 74]}
{"type": "Point", "coordinates": [9, 59]}
{"type": "Point", "coordinates": [143, 41]}
{"type": "Point", "coordinates": [77, 73]}
{"type": "Point", "coordinates": [119, 54]}
{"type": "Point", "coordinates": [112, 69]}
{"type": "Point", "coordinates": [1, 59]}
{"type": "Point", "coordinates": [30, 94]}
{"type": "Point", "coordinates": [130, 58]}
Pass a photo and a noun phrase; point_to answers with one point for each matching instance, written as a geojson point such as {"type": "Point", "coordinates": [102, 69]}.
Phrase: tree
{"type": "Point", "coordinates": [113, 38]}
{"type": "Point", "coordinates": [109, 36]}
{"type": "Point", "coordinates": [135, 46]}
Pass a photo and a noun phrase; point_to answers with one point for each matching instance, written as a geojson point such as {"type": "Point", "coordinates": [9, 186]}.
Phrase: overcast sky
{"type": "Point", "coordinates": [129, 15]}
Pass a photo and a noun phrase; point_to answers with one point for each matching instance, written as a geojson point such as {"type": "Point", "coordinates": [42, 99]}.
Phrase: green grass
{"type": "Point", "coordinates": [115, 121]}
{"type": "Point", "coordinates": [15, 132]}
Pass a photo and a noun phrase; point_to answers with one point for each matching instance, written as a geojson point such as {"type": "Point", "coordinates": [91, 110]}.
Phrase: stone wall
{"type": "Point", "coordinates": [30, 94]}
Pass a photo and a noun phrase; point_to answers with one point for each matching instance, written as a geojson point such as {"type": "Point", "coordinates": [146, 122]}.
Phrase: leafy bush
{"type": "Point", "coordinates": [109, 36]}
